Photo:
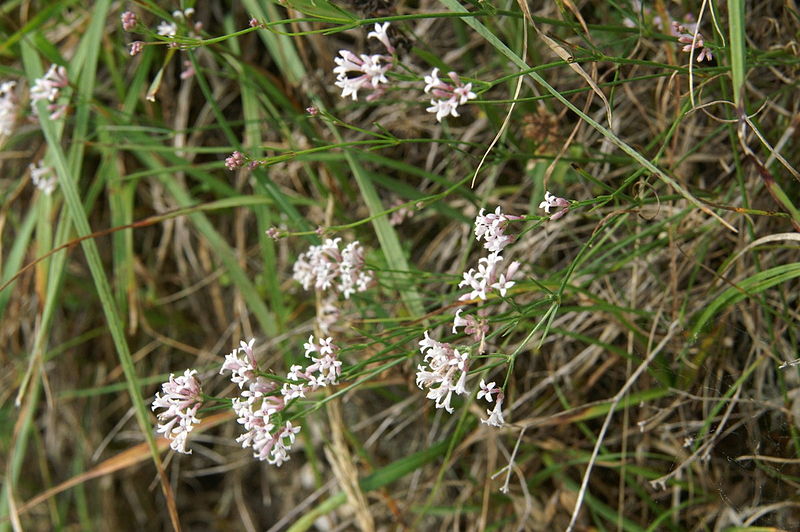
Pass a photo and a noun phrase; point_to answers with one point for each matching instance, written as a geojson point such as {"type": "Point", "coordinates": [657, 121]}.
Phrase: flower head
{"type": "Point", "coordinates": [450, 96]}
{"type": "Point", "coordinates": [477, 328]}
{"type": "Point", "coordinates": [136, 48]}
{"type": "Point", "coordinates": [128, 20]}
{"type": "Point", "coordinates": [443, 372]}
{"type": "Point", "coordinates": [356, 72]}
{"type": "Point", "coordinates": [491, 228]}
{"type": "Point", "coordinates": [327, 267]}
{"type": "Point", "coordinates": [180, 398]}
{"type": "Point", "coordinates": [236, 160]}
{"type": "Point", "coordinates": [489, 276]}
{"type": "Point", "coordinates": [243, 368]}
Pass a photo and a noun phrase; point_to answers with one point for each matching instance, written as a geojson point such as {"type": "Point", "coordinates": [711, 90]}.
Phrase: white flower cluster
{"type": "Point", "coordinates": [257, 406]}
{"type": "Point", "coordinates": [8, 108]}
{"type": "Point", "coordinates": [43, 177]}
{"type": "Point", "coordinates": [48, 88]}
{"type": "Point", "coordinates": [449, 96]}
{"type": "Point", "coordinates": [490, 275]}
{"type": "Point", "coordinates": [323, 370]}
{"type": "Point", "coordinates": [445, 373]}
{"type": "Point", "coordinates": [325, 266]}
{"type": "Point", "coordinates": [355, 72]}
{"type": "Point", "coordinates": [180, 398]}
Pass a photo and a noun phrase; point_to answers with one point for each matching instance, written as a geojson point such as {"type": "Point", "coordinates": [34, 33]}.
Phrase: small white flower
{"type": "Point", "coordinates": [380, 34]}
{"type": "Point", "coordinates": [495, 415]}
{"type": "Point", "coordinates": [552, 201]}
{"type": "Point", "coordinates": [432, 81]}
{"type": "Point", "coordinates": [167, 29]}
{"type": "Point", "coordinates": [486, 390]}
{"type": "Point", "coordinates": [458, 321]}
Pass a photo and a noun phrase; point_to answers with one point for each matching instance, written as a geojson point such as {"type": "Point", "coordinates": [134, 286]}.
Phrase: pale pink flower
{"type": "Point", "coordinates": [495, 418]}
